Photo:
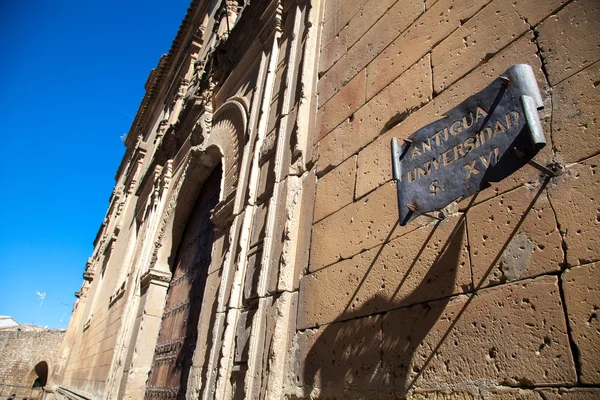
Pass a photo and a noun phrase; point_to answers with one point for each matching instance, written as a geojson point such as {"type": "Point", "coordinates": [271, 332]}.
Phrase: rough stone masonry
{"type": "Point", "coordinates": [284, 110]}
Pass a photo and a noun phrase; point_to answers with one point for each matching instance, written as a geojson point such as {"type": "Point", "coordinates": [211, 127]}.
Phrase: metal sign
{"type": "Point", "coordinates": [484, 139]}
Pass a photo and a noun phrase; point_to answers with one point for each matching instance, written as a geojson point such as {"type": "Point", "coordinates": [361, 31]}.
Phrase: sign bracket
{"type": "Point", "coordinates": [484, 139]}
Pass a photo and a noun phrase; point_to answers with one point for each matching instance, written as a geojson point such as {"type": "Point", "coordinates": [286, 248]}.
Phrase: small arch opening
{"type": "Point", "coordinates": [38, 377]}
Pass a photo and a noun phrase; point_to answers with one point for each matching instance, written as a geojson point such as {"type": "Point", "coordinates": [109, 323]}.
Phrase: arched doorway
{"type": "Point", "coordinates": [179, 327]}
{"type": "Point", "coordinates": [38, 377]}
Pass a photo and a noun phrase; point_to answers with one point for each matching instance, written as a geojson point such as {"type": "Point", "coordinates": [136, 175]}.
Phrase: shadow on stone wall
{"type": "Point", "coordinates": [384, 354]}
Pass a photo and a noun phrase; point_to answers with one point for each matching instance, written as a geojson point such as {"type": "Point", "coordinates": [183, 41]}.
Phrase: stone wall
{"type": "Point", "coordinates": [500, 298]}
{"type": "Point", "coordinates": [22, 350]}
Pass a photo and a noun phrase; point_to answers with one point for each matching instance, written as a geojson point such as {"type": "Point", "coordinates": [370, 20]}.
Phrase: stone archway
{"type": "Point", "coordinates": [38, 376]}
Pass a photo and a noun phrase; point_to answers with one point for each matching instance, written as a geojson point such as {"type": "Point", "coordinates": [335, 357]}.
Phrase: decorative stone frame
{"type": "Point", "coordinates": [223, 144]}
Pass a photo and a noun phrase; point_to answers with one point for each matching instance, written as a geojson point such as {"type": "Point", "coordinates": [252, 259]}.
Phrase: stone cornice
{"type": "Point", "coordinates": [155, 277]}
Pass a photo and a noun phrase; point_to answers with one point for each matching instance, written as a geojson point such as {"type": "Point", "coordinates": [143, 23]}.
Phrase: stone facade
{"type": "Point", "coordinates": [26, 353]}
{"type": "Point", "coordinates": [313, 289]}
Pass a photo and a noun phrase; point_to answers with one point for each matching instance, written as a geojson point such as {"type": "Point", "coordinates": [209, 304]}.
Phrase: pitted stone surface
{"type": "Point", "coordinates": [576, 110]}
{"type": "Point", "coordinates": [576, 200]}
{"type": "Point", "coordinates": [569, 39]}
{"type": "Point", "coordinates": [411, 90]}
{"type": "Point", "coordinates": [487, 32]}
{"type": "Point", "coordinates": [581, 286]}
{"type": "Point", "coordinates": [341, 106]}
{"type": "Point", "coordinates": [433, 26]}
{"type": "Point", "coordinates": [377, 38]}
{"type": "Point", "coordinates": [429, 263]}
{"type": "Point", "coordinates": [336, 189]}
{"type": "Point", "coordinates": [543, 394]}
{"type": "Point", "coordinates": [511, 335]}
{"type": "Point", "coordinates": [441, 395]}
{"type": "Point", "coordinates": [535, 248]}
{"type": "Point", "coordinates": [359, 226]}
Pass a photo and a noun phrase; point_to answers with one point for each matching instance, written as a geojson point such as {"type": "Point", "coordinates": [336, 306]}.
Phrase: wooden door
{"type": "Point", "coordinates": [179, 327]}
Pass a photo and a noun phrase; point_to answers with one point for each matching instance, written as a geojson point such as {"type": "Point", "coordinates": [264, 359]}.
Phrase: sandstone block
{"type": "Point", "coordinates": [380, 35]}
{"type": "Point", "coordinates": [337, 17]}
{"type": "Point", "coordinates": [358, 226]}
{"type": "Point", "coordinates": [433, 26]}
{"type": "Point", "coordinates": [253, 271]}
{"type": "Point", "coordinates": [343, 104]}
{"type": "Point", "coordinates": [429, 263]}
{"type": "Point", "coordinates": [581, 286]}
{"type": "Point", "coordinates": [576, 199]}
{"type": "Point", "coordinates": [267, 178]}
{"type": "Point", "coordinates": [432, 394]}
{"type": "Point", "coordinates": [367, 17]}
{"type": "Point", "coordinates": [411, 90]}
{"type": "Point", "coordinates": [510, 335]}
{"type": "Point", "coordinates": [486, 33]}
{"type": "Point", "coordinates": [512, 394]}
{"type": "Point", "coordinates": [570, 394]}
{"type": "Point", "coordinates": [535, 11]}
{"type": "Point", "coordinates": [295, 255]}
{"type": "Point", "coordinates": [569, 39]}
{"type": "Point", "coordinates": [259, 223]}
{"type": "Point", "coordinates": [336, 189]}
{"type": "Point", "coordinates": [535, 248]}
{"type": "Point", "coordinates": [576, 109]}
{"type": "Point", "coordinates": [208, 314]}
{"type": "Point", "coordinates": [372, 174]}
{"type": "Point", "coordinates": [242, 335]}
{"type": "Point", "coordinates": [334, 50]}
{"type": "Point", "coordinates": [339, 355]}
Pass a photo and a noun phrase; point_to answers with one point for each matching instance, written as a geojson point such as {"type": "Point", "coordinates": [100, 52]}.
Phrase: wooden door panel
{"type": "Point", "coordinates": [179, 327]}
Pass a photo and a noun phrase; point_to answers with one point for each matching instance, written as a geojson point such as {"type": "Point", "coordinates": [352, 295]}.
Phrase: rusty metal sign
{"type": "Point", "coordinates": [484, 139]}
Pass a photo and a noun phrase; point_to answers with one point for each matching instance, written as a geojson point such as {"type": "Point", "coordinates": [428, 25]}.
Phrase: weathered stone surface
{"type": "Point", "coordinates": [490, 30]}
{"type": "Point", "coordinates": [295, 255]}
{"type": "Point", "coordinates": [512, 394]}
{"type": "Point", "coordinates": [581, 286]}
{"type": "Point", "coordinates": [259, 223]}
{"type": "Point", "coordinates": [334, 50]}
{"type": "Point", "coordinates": [512, 335]}
{"type": "Point", "coordinates": [358, 226]}
{"type": "Point", "coordinates": [242, 335]}
{"type": "Point", "coordinates": [381, 34]}
{"type": "Point", "coordinates": [341, 355]}
{"type": "Point", "coordinates": [429, 263]}
{"type": "Point", "coordinates": [486, 33]}
{"type": "Point", "coordinates": [569, 39]}
{"type": "Point", "coordinates": [576, 109]}
{"type": "Point", "coordinates": [266, 179]}
{"type": "Point", "coordinates": [570, 394]}
{"type": "Point", "coordinates": [543, 394]}
{"type": "Point", "coordinates": [337, 15]}
{"type": "Point", "coordinates": [433, 26]}
{"type": "Point", "coordinates": [253, 270]}
{"type": "Point", "coordinates": [371, 173]}
{"type": "Point", "coordinates": [343, 104]}
{"type": "Point", "coordinates": [22, 348]}
{"type": "Point", "coordinates": [369, 14]}
{"type": "Point", "coordinates": [535, 248]}
{"type": "Point", "coordinates": [576, 200]}
{"type": "Point", "coordinates": [207, 319]}
{"type": "Point", "coordinates": [336, 189]}
{"type": "Point", "coordinates": [411, 90]}
{"type": "Point", "coordinates": [441, 395]}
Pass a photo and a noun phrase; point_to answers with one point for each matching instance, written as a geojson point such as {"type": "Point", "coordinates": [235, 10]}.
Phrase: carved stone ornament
{"type": "Point", "coordinates": [155, 277]}
{"type": "Point", "coordinates": [89, 276]}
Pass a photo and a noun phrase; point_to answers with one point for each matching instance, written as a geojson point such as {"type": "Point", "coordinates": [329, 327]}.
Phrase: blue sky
{"type": "Point", "coordinates": [72, 76]}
